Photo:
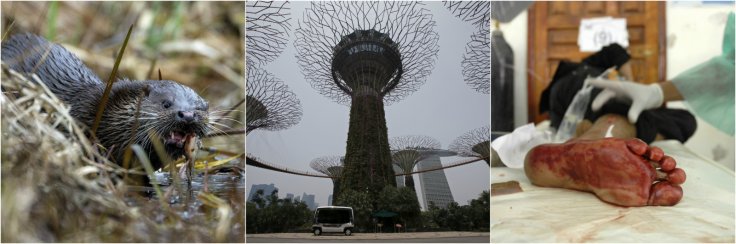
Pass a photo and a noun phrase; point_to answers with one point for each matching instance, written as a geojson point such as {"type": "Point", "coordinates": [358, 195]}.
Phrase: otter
{"type": "Point", "coordinates": [171, 111]}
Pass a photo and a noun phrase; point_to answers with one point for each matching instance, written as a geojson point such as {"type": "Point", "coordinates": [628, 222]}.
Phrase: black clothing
{"type": "Point", "coordinates": [569, 77]}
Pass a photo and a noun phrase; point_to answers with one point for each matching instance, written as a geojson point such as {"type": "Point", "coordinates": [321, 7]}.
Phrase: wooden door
{"type": "Point", "coordinates": [553, 32]}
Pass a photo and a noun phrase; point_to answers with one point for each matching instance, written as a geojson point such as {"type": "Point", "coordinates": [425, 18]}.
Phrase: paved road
{"type": "Point", "coordinates": [467, 239]}
{"type": "Point", "coordinates": [416, 237]}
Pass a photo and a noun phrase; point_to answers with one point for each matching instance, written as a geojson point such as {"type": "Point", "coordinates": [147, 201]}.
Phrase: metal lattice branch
{"type": "Point", "coordinates": [474, 143]}
{"type": "Point", "coordinates": [477, 61]}
{"type": "Point", "coordinates": [414, 142]}
{"type": "Point", "coordinates": [406, 27]}
{"type": "Point", "coordinates": [475, 12]}
{"type": "Point", "coordinates": [267, 29]}
{"type": "Point", "coordinates": [329, 165]}
{"type": "Point", "coordinates": [270, 105]}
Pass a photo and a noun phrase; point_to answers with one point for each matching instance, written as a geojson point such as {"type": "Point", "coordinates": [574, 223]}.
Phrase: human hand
{"type": "Point", "coordinates": [640, 96]}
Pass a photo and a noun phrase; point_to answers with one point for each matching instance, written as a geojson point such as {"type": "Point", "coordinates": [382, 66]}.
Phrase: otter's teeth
{"type": "Point", "coordinates": [176, 138]}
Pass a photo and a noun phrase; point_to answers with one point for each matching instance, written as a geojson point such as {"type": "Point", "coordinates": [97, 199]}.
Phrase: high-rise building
{"type": "Point", "coordinates": [298, 199]}
{"type": "Point", "coordinates": [309, 200]}
{"type": "Point", "coordinates": [289, 196]}
{"type": "Point", "coordinates": [267, 190]}
{"type": "Point", "coordinates": [434, 183]}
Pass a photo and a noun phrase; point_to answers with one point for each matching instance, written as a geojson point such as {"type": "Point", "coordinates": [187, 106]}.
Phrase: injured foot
{"type": "Point", "coordinates": [624, 172]}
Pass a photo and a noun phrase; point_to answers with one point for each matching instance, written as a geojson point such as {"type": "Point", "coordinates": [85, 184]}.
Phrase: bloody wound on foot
{"type": "Point", "coordinates": [625, 172]}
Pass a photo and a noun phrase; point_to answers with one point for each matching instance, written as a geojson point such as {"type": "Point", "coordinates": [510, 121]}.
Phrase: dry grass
{"type": "Point", "coordinates": [44, 174]}
{"type": "Point", "coordinates": [56, 185]}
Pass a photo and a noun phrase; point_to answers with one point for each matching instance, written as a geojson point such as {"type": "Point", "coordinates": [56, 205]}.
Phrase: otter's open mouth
{"type": "Point", "coordinates": [178, 138]}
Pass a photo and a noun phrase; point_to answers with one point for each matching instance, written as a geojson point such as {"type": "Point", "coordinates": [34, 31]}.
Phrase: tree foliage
{"type": "Point", "coordinates": [472, 217]}
{"type": "Point", "coordinates": [268, 214]}
{"type": "Point", "coordinates": [402, 201]}
{"type": "Point", "coordinates": [362, 205]}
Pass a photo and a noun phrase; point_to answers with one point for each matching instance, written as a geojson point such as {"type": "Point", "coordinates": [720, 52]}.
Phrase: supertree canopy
{"type": "Point", "coordinates": [331, 166]}
{"type": "Point", "coordinates": [267, 26]}
{"type": "Point", "coordinates": [477, 61]}
{"type": "Point", "coordinates": [476, 12]}
{"type": "Point", "coordinates": [474, 143]}
{"type": "Point", "coordinates": [270, 105]}
{"type": "Point", "coordinates": [393, 39]}
{"type": "Point", "coordinates": [406, 153]}
{"type": "Point", "coordinates": [366, 54]}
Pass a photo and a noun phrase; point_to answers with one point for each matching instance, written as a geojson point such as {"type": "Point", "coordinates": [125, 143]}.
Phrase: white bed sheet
{"type": "Point", "coordinates": [539, 214]}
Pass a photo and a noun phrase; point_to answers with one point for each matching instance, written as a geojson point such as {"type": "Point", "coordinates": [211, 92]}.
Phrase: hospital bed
{"type": "Point", "coordinates": [539, 214]}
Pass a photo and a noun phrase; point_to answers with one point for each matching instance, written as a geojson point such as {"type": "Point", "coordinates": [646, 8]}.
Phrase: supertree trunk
{"type": "Point", "coordinates": [409, 182]}
{"type": "Point", "coordinates": [367, 152]}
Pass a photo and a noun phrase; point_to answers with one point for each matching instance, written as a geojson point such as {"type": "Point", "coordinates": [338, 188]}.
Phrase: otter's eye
{"type": "Point", "coordinates": [166, 103]}
{"type": "Point", "coordinates": [204, 107]}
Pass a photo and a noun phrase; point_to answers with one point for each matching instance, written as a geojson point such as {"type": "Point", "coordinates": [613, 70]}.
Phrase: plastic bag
{"type": "Point", "coordinates": [574, 114]}
{"type": "Point", "coordinates": [576, 111]}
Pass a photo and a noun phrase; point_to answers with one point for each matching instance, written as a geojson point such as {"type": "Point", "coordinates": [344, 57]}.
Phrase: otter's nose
{"type": "Point", "coordinates": [186, 116]}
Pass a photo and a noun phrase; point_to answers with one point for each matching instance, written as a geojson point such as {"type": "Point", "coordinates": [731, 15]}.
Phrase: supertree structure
{"type": "Point", "coordinates": [406, 152]}
{"type": "Point", "coordinates": [399, 179]}
{"type": "Point", "coordinates": [270, 105]}
{"type": "Point", "coordinates": [476, 12]}
{"type": "Point", "coordinates": [331, 166]}
{"type": "Point", "coordinates": [267, 28]}
{"type": "Point", "coordinates": [474, 143]}
{"type": "Point", "coordinates": [367, 55]}
{"type": "Point", "coordinates": [477, 61]}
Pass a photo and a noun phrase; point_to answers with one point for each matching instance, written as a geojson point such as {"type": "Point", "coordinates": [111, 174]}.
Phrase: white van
{"type": "Point", "coordinates": [333, 219]}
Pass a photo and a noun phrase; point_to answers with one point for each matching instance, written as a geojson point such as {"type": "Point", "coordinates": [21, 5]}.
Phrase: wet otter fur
{"type": "Point", "coordinates": [168, 109]}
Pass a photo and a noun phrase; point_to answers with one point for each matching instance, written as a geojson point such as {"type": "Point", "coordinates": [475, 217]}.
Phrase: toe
{"type": "Point", "coordinates": [654, 153]}
{"type": "Point", "coordinates": [637, 146]}
{"type": "Point", "coordinates": [667, 163]}
{"type": "Point", "coordinates": [664, 194]}
{"type": "Point", "coordinates": [676, 176]}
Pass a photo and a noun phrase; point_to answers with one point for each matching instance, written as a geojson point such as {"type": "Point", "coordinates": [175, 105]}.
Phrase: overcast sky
{"type": "Point", "coordinates": [444, 108]}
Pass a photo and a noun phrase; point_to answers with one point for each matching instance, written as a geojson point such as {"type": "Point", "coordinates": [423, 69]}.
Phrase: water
{"type": "Point", "coordinates": [184, 204]}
